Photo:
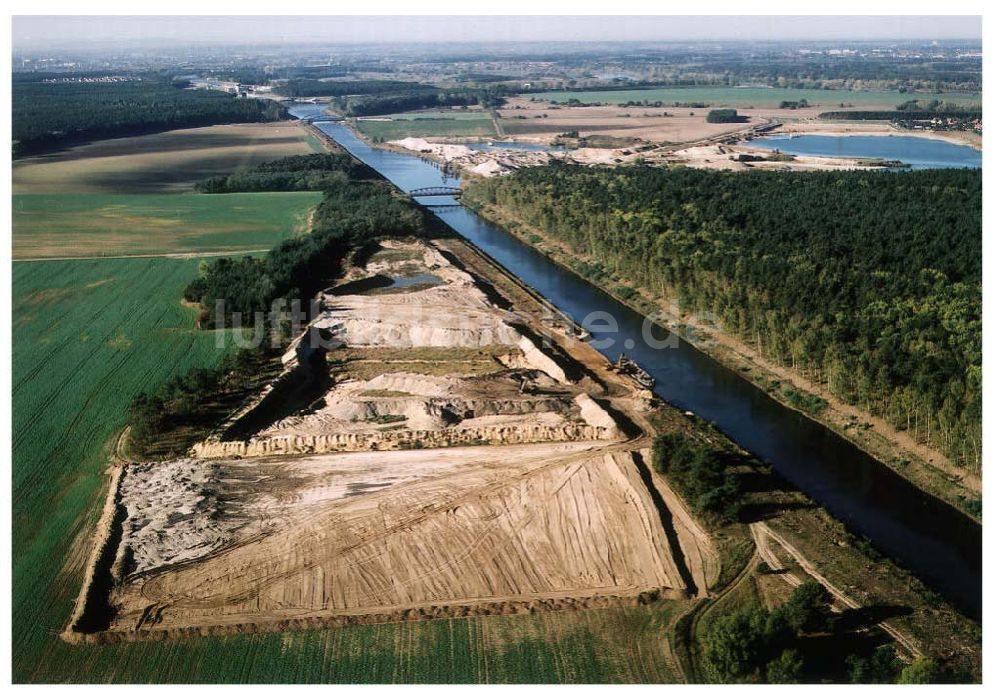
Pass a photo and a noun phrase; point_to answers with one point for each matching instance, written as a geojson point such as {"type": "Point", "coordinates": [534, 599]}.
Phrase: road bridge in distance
{"type": "Point", "coordinates": [432, 191]}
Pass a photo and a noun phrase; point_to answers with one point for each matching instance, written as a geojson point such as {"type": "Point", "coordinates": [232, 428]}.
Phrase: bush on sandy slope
{"type": "Point", "coordinates": [699, 473]}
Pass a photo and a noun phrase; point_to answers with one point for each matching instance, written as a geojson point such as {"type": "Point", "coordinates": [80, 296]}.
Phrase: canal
{"type": "Point", "coordinates": [940, 545]}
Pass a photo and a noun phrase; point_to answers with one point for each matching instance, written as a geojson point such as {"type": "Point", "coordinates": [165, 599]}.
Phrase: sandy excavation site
{"type": "Point", "coordinates": [435, 457]}
{"type": "Point", "coordinates": [620, 135]}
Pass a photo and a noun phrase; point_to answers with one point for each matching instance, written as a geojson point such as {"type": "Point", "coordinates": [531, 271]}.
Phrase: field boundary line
{"type": "Point", "coordinates": [160, 255]}
{"type": "Point", "coordinates": [553, 602]}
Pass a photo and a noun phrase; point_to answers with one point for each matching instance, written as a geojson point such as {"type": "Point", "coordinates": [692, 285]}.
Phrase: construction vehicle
{"type": "Point", "coordinates": [626, 366]}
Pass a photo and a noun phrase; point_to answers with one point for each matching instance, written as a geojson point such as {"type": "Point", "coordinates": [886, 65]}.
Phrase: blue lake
{"type": "Point", "coordinates": [919, 153]}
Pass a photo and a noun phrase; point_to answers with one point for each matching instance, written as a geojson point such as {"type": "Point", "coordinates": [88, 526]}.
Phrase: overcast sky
{"type": "Point", "coordinates": [34, 32]}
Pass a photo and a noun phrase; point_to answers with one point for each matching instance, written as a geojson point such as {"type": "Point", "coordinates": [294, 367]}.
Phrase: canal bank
{"type": "Point", "coordinates": [938, 543]}
{"type": "Point", "coordinates": [922, 466]}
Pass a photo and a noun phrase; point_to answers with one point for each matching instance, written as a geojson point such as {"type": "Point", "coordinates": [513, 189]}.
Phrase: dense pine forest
{"type": "Point", "coordinates": [374, 105]}
{"type": "Point", "coordinates": [308, 87]}
{"type": "Point", "coordinates": [316, 172]}
{"type": "Point", "coordinates": [374, 97]}
{"type": "Point", "coordinates": [867, 282]}
{"type": "Point", "coordinates": [51, 115]}
{"type": "Point", "coordinates": [901, 115]}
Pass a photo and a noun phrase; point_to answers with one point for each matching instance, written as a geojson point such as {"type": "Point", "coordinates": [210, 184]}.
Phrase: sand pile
{"type": "Point", "coordinates": [445, 151]}
{"type": "Point", "coordinates": [178, 497]}
{"type": "Point", "coordinates": [365, 506]}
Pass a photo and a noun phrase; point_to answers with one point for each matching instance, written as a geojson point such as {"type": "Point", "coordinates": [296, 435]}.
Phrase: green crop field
{"type": "Point", "coordinates": [90, 334]}
{"type": "Point", "coordinates": [87, 336]}
{"type": "Point", "coordinates": [315, 144]}
{"type": "Point", "coordinates": [66, 225]}
{"type": "Point", "coordinates": [760, 97]}
{"type": "Point", "coordinates": [429, 124]}
{"type": "Point", "coordinates": [594, 646]}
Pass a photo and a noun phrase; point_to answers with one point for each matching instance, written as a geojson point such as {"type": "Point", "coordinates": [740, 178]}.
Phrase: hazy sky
{"type": "Point", "coordinates": [31, 32]}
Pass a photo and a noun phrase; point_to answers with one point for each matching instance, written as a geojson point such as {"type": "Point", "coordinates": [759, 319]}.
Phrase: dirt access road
{"type": "Point", "coordinates": [763, 535]}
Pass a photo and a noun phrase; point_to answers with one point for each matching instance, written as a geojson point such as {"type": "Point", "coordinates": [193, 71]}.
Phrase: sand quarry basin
{"type": "Point", "coordinates": [446, 461]}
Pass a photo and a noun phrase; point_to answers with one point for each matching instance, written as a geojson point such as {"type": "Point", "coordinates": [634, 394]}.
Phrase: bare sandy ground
{"type": "Point", "coordinates": [723, 157]}
{"type": "Point", "coordinates": [227, 544]}
{"type": "Point", "coordinates": [827, 128]}
{"type": "Point", "coordinates": [526, 121]}
{"type": "Point", "coordinates": [423, 394]}
{"type": "Point", "coordinates": [700, 556]}
{"type": "Point", "coordinates": [350, 534]}
{"type": "Point", "coordinates": [425, 403]}
{"type": "Point", "coordinates": [497, 162]}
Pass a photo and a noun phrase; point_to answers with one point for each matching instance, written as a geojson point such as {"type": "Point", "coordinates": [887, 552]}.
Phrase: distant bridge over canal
{"type": "Point", "coordinates": [429, 191]}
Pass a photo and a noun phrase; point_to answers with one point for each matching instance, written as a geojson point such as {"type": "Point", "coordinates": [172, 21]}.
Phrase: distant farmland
{"type": "Point", "coordinates": [428, 124]}
{"type": "Point", "coordinates": [760, 97]}
{"type": "Point", "coordinates": [66, 225]}
{"type": "Point", "coordinates": [135, 195]}
{"type": "Point", "coordinates": [168, 162]}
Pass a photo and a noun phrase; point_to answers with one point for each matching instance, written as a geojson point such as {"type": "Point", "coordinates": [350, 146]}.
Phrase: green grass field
{"type": "Point", "coordinates": [454, 114]}
{"type": "Point", "coordinates": [90, 334]}
{"type": "Point", "coordinates": [429, 124]}
{"type": "Point", "coordinates": [314, 143]}
{"type": "Point", "coordinates": [63, 225]}
{"type": "Point", "coordinates": [760, 97]}
{"type": "Point", "coordinates": [87, 336]}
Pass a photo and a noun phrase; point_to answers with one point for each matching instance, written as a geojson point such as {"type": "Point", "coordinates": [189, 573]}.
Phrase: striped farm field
{"type": "Point", "coordinates": [160, 163]}
{"type": "Point", "coordinates": [67, 225]}
{"type": "Point", "coordinates": [428, 125]}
